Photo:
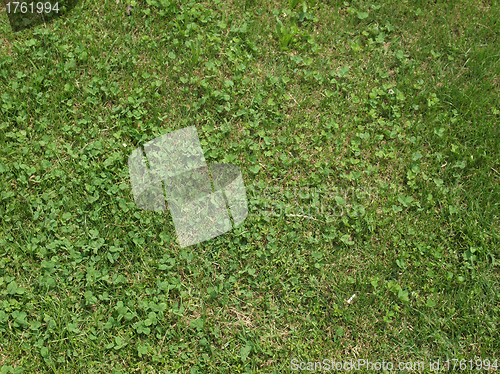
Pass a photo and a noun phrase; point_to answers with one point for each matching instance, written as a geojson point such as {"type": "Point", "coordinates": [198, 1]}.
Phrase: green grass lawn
{"type": "Point", "coordinates": [368, 136]}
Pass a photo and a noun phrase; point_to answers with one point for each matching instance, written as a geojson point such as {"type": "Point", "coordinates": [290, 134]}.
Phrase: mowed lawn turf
{"type": "Point", "coordinates": [368, 137]}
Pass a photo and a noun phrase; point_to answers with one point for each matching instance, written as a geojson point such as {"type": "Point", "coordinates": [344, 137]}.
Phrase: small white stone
{"type": "Point", "coordinates": [351, 298]}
